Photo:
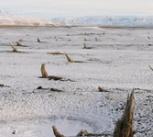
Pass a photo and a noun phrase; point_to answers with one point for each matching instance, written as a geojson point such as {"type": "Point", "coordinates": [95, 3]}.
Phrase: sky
{"type": "Point", "coordinates": [53, 8]}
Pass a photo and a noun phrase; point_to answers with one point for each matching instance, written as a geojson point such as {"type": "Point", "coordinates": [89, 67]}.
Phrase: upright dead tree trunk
{"type": "Point", "coordinates": [124, 126]}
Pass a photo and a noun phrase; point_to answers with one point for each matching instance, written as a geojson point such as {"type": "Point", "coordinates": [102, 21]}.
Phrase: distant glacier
{"type": "Point", "coordinates": [122, 21]}
{"type": "Point", "coordinates": [119, 21]}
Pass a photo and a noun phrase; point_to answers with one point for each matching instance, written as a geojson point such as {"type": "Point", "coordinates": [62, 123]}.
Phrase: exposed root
{"type": "Point", "coordinates": [124, 126]}
{"type": "Point", "coordinates": [55, 53]}
{"type": "Point", "coordinates": [71, 60]}
{"type": "Point", "coordinates": [100, 89]}
{"type": "Point", "coordinates": [56, 132]}
{"type": "Point", "coordinates": [44, 73]}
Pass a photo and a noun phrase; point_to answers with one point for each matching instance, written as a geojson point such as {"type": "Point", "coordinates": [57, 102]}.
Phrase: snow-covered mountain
{"type": "Point", "coordinates": [7, 19]}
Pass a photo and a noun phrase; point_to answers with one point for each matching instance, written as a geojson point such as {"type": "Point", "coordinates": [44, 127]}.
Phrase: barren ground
{"type": "Point", "coordinates": [118, 61]}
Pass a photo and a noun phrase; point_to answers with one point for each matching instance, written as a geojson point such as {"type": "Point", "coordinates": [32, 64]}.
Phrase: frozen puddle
{"type": "Point", "coordinates": [43, 128]}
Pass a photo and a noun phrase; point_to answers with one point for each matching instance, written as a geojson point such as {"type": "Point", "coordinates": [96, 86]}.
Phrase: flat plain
{"type": "Point", "coordinates": [118, 60]}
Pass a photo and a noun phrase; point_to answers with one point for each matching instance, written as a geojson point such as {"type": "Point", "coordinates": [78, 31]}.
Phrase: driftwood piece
{"type": "Point", "coordinates": [70, 60]}
{"type": "Point", "coordinates": [56, 132]}
{"type": "Point", "coordinates": [55, 53]}
{"type": "Point", "coordinates": [100, 89]}
{"type": "Point", "coordinates": [56, 90]}
{"type": "Point", "coordinates": [124, 126]}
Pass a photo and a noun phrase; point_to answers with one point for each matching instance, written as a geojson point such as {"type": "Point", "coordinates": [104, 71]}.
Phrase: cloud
{"type": "Point", "coordinates": [81, 7]}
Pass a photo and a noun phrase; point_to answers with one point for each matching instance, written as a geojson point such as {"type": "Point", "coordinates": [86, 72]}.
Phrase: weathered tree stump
{"type": "Point", "coordinates": [124, 126]}
{"type": "Point", "coordinates": [56, 132]}
{"type": "Point", "coordinates": [44, 71]}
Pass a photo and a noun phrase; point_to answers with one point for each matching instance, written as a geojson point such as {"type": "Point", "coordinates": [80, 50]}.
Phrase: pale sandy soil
{"type": "Point", "coordinates": [118, 62]}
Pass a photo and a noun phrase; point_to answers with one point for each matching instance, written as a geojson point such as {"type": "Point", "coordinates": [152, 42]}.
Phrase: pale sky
{"type": "Point", "coordinates": [78, 7]}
